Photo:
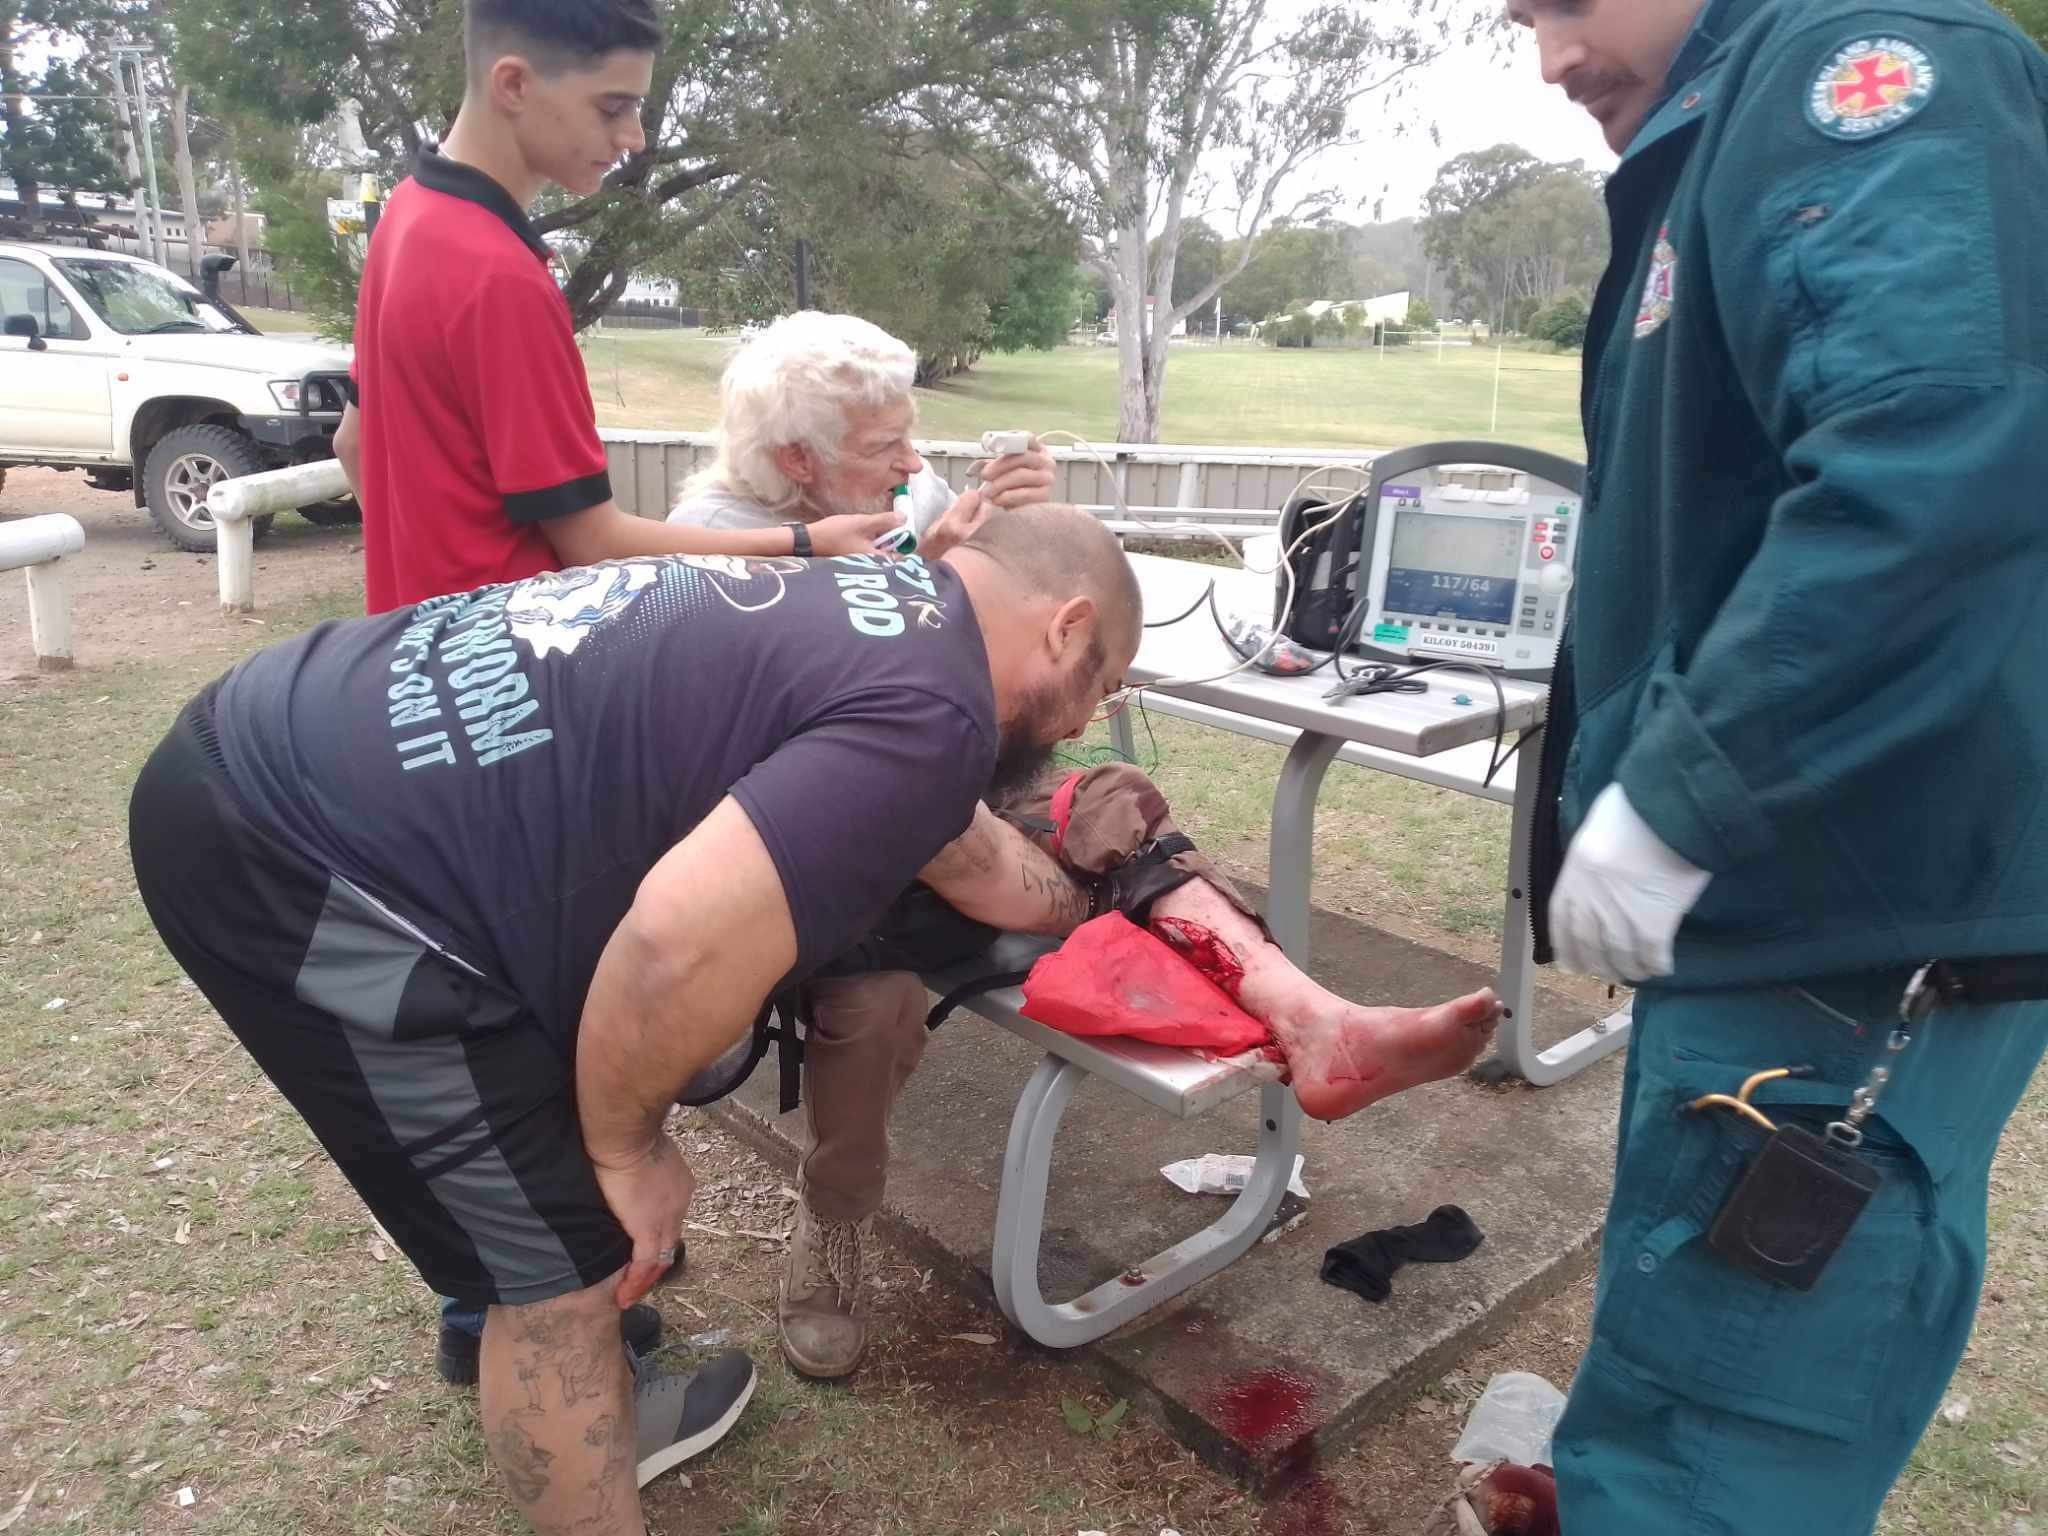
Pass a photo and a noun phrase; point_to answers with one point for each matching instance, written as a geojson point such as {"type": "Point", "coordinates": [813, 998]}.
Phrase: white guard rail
{"type": "Point", "coordinates": [1139, 490]}
{"type": "Point", "coordinates": [234, 502]}
{"type": "Point", "coordinates": [38, 545]}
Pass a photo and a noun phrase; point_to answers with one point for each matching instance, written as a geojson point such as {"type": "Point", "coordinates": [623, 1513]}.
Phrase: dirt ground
{"type": "Point", "coordinates": [136, 598]}
{"type": "Point", "coordinates": [1006, 1459]}
{"type": "Point", "coordinates": [190, 1296]}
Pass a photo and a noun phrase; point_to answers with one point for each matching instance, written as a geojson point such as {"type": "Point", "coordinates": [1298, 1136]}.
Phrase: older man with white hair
{"type": "Point", "coordinates": [817, 416]}
{"type": "Point", "coordinates": [815, 422]}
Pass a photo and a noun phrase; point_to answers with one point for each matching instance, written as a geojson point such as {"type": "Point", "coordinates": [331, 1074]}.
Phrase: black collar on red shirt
{"type": "Point", "coordinates": [437, 173]}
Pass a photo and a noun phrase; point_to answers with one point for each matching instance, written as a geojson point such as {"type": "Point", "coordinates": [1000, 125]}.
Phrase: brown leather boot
{"type": "Point", "coordinates": [821, 1312]}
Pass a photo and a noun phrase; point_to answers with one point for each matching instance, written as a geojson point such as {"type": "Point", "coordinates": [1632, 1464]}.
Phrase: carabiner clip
{"type": "Point", "coordinates": [1931, 986]}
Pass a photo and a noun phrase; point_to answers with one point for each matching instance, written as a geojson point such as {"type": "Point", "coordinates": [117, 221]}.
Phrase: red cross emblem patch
{"type": "Point", "coordinates": [1660, 289]}
{"type": "Point", "coordinates": [1870, 86]}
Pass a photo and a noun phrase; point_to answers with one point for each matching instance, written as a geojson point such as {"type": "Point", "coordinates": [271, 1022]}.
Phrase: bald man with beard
{"type": "Point", "coordinates": [816, 422]}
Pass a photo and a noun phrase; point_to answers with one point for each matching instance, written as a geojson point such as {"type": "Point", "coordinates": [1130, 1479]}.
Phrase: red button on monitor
{"type": "Point", "coordinates": [1549, 553]}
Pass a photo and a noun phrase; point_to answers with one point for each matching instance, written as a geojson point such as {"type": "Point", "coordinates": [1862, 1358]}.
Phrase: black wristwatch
{"type": "Point", "coordinates": [801, 533]}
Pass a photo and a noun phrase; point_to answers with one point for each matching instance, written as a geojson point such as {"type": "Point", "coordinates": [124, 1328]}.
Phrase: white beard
{"type": "Point", "coordinates": [821, 504]}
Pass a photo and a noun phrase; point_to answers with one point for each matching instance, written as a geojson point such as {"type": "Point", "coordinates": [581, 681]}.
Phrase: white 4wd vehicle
{"type": "Point", "coordinates": [123, 369]}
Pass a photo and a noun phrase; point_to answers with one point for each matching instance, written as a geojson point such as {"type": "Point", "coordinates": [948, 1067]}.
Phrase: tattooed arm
{"type": "Point", "coordinates": [708, 937]}
{"type": "Point", "coordinates": [995, 874]}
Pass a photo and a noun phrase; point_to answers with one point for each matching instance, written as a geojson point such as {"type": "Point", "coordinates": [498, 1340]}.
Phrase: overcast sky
{"type": "Point", "coordinates": [1476, 98]}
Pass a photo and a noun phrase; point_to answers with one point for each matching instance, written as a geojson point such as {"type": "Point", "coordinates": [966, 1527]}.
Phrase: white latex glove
{"type": "Point", "coordinates": [1621, 895]}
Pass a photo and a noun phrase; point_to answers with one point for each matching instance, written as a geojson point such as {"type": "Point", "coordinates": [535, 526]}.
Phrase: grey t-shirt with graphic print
{"type": "Point", "coordinates": [504, 767]}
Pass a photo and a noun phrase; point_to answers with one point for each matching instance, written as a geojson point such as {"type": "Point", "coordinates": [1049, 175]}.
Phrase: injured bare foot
{"type": "Point", "coordinates": [1340, 1055]}
{"type": "Point", "coordinates": [1345, 1058]}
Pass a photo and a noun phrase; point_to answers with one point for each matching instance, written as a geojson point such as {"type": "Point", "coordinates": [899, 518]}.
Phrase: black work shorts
{"type": "Point", "coordinates": [434, 1088]}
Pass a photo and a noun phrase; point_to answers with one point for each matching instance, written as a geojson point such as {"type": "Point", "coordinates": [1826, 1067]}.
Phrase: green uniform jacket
{"type": "Point", "coordinates": [1811, 627]}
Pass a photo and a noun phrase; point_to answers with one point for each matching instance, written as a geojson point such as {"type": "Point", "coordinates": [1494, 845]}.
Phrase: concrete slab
{"type": "Point", "coordinates": [1263, 1367]}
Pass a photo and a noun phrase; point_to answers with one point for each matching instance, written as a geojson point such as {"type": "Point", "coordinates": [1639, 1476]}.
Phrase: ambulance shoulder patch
{"type": "Point", "coordinates": [1869, 86]}
{"type": "Point", "coordinates": [1660, 289]}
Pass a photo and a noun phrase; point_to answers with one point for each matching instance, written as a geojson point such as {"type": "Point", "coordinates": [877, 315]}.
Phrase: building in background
{"type": "Point", "coordinates": [1180, 326]}
{"type": "Point", "coordinates": [1389, 309]}
{"type": "Point", "coordinates": [222, 235]}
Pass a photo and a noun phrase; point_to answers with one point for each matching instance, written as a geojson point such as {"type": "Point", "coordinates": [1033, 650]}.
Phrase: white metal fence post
{"type": "Point", "coordinates": [49, 615]}
{"type": "Point", "coordinates": [235, 551]}
{"type": "Point", "coordinates": [235, 503]}
{"type": "Point", "coordinates": [38, 545]}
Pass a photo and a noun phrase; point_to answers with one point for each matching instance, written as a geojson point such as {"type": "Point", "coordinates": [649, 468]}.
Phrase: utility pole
{"type": "Point", "coordinates": [134, 58]}
{"type": "Point", "coordinates": [803, 274]}
{"type": "Point", "coordinates": [156, 197]}
{"type": "Point", "coordinates": [131, 148]}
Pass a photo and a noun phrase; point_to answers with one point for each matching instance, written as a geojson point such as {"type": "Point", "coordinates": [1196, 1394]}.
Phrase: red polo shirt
{"type": "Point", "coordinates": [476, 418]}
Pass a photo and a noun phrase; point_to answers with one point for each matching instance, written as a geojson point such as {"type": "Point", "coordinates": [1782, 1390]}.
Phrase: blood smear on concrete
{"type": "Point", "coordinates": [1267, 1410]}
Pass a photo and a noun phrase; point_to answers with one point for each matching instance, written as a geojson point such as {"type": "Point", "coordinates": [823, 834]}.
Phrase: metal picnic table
{"type": "Point", "coordinates": [1427, 736]}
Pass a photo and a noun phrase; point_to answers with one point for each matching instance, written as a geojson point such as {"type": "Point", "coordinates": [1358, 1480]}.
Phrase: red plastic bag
{"type": "Point", "coordinates": [1111, 977]}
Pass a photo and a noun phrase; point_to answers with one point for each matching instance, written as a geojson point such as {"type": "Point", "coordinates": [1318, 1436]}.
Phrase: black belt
{"type": "Point", "coordinates": [1991, 979]}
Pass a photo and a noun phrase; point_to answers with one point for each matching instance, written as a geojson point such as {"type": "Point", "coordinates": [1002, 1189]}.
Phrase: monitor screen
{"type": "Point", "coordinates": [1459, 568]}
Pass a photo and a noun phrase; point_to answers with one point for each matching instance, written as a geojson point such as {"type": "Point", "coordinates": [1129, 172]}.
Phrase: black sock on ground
{"type": "Point", "coordinates": [1366, 1265]}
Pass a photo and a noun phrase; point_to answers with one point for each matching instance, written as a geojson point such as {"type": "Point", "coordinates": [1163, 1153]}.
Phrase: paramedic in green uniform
{"type": "Point", "coordinates": [1799, 734]}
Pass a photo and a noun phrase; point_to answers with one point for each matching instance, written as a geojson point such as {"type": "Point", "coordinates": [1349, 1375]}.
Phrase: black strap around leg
{"type": "Point", "coordinates": [1147, 875]}
{"type": "Point", "coordinates": [787, 1034]}
{"type": "Point", "coordinates": [961, 995]}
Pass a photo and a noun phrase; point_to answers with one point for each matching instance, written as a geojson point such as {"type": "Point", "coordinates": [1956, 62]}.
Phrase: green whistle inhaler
{"type": "Point", "coordinates": [900, 540]}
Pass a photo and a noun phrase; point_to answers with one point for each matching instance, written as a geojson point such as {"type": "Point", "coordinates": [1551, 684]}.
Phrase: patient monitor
{"type": "Point", "coordinates": [1466, 552]}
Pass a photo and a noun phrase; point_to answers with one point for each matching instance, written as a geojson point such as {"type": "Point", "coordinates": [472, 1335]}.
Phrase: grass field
{"type": "Point", "coordinates": [1244, 395]}
{"type": "Point", "coordinates": [191, 1298]}
{"type": "Point", "coordinates": [1241, 395]}
{"type": "Point", "coordinates": [275, 322]}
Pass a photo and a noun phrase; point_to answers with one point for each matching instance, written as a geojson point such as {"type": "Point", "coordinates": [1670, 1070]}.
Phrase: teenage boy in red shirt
{"type": "Point", "coordinates": [471, 440]}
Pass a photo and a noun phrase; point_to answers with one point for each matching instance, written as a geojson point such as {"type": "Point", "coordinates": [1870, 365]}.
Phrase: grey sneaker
{"type": "Point", "coordinates": [456, 1352]}
{"type": "Point", "coordinates": [679, 1416]}
{"type": "Point", "coordinates": [821, 1313]}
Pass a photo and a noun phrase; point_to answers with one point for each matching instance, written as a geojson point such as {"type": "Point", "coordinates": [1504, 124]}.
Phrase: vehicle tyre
{"type": "Point", "coordinates": [342, 512]}
{"type": "Point", "coordinates": [183, 467]}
